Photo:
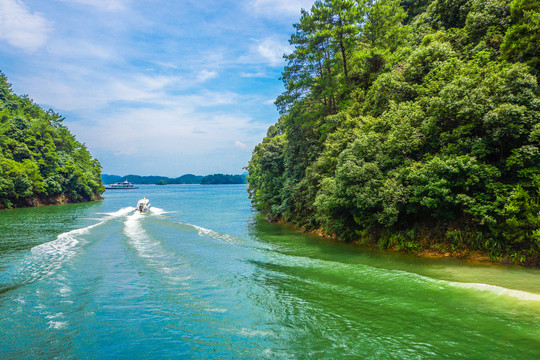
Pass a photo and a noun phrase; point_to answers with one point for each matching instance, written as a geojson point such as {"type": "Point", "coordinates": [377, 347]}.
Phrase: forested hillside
{"type": "Point", "coordinates": [410, 125]}
{"type": "Point", "coordinates": [41, 162]}
{"type": "Point", "coordinates": [223, 179]}
{"type": "Point", "coordinates": [213, 179]}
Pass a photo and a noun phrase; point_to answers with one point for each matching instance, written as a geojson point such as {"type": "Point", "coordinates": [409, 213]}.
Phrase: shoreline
{"type": "Point", "coordinates": [36, 201]}
{"type": "Point", "coordinates": [470, 255]}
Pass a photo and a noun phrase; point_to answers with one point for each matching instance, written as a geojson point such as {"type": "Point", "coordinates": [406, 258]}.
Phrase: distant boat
{"type": "Point", "coordinates": [121, 185]}
{"type": "Point", "coordinates": [143, 205]}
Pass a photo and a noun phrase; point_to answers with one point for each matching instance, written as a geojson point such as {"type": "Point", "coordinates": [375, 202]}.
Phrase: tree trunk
{"type": "Point", "coordinates": [342, 47]}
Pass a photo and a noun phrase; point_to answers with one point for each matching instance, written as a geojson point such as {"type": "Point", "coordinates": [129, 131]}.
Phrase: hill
{"type": "Point", "coordinates": [410, 125]}
{"type": "Point", "coordinates": [110, 179]}
{"type": "Point", "coordinates": [186, 179]}
{"type": "Point", "coordinates": [223, 179]}
{"type": "Point", "coordinates": [213, 179]}
{"type": "Point", "coordinates": [41, 162]}
{"type": "Point", "coordinates": [145, 180]}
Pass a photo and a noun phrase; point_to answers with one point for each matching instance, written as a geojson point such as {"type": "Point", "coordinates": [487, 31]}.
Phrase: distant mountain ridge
{"type": "Point", "coordinates": [223, 179]}
{"type": "Point", "coordinates": [213, 179]}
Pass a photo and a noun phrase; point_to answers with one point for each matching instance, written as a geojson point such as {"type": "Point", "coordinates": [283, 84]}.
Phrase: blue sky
{"type": "Point", "coordinates": [153, 87]}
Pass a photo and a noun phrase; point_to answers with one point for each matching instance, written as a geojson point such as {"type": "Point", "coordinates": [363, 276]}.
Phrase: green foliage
{"type": "Point", "coordinates": [521, 41]}
{"type": "Point", "coordinates": [39, 159]}
{"type": "Point", "coordinates": [488, 18]}
{"type": "Point", "coordinates": [110, 179]}
{"type": "Point", "coordinates": [449, 13]}
{"type": "Point", "coordinates": [186, 179]}
{"type": "Point", "coordinates": [413, 8]}
{"type": "Point", "coordinates": [266, 174]}
{"type": "Point", "coordinates": [522, 219]}
{"type": "Point", "coordinates": [432, 125]}
{"type": "Point", "coordinates": [223, 179]}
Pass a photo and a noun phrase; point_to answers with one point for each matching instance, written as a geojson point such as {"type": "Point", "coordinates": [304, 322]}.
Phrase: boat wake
{"type": "Point", "coordinates": [139, 238]}
{"type": "Point", "coordinates": [119, 213]}
{"type": "Point", "coordinates": [151, 251]}
{"type": "Point", "coordinates": [64, 244]}
{"type": "Point", "coordinates": [226, 238]}
{"type": "Point", "coordinates": [47, 258]}
{"type": "Point", "coordinates": [498, 290]}
{"type": "Point", "coordinates": [492, 289]}
{"type": "Point", "coordinates": [382, 275]}
{"type": "Point", "coordinates": [158, 211]}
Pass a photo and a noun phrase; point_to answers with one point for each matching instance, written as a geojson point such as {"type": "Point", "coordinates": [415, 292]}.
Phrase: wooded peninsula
{"type": "Point", "coordinates": [412, 125]}
{"type": "Point", "coordinates": [41, 162]}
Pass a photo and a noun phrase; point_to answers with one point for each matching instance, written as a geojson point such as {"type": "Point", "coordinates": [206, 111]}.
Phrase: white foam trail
{"type": "Point", "coordinates": [230, 239]}
{"type": "Point", "coordinates": [62, 246]}
{"type": "Point", "coordinates": [57, 324]}
{"type": "Point", "coordinates": [65, 242]}
{"type": "Point", "coordinates": [149, 249]}
{"type": "Point", "coordinates": [158, 211]}
{"type": "Point", "coordinates": [398, 275]}
{"type": "Point", "coordinates": [47, 258]}
{"type": "Point", "coordinates": [134, 231]}
{"type": "Point", "coordinates": [498, 290]}
{"type": "Point", "coordinates": [256, 333]}
{"type": "Point", "coordinates": [493, 289]}
{"type": "Point", "coordinates": [218, 310]}
{"type": "Point", "coordinates": [132, 228]}
{"type": "Point", "coordinates": [121, 212]}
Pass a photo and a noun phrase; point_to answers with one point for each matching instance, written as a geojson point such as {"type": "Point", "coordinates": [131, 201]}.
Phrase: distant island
{"type": "Point", "coordinates": [41, 162]}
{"type": "Point", "coordinates": [214, 179]}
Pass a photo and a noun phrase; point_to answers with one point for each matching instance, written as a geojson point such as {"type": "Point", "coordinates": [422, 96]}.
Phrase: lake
{"type": "Point", "coordinates": [203, 276]}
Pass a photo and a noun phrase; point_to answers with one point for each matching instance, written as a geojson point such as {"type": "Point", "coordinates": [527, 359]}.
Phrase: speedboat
{"type": "Point", "coordinates": [143, 205]}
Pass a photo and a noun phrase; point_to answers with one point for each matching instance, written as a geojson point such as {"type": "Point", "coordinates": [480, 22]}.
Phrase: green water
{"type": "Point", "coordinates": [202, 276]}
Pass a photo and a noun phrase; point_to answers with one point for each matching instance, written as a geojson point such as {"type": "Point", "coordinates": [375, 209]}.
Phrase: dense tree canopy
{"type": "Point", "coordinates": [408, 121]}
{"type": "Point", "coordinates": [41, 162]}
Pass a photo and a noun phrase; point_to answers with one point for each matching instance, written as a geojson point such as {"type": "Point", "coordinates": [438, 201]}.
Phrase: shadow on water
{"type": "Point", "coordinates": [287, 240]}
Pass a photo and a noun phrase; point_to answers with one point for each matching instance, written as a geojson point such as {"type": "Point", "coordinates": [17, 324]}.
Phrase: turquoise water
{"type": "Point", "coordinates": [202, 276]}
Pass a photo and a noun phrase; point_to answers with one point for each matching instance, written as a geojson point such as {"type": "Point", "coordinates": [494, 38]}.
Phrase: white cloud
{"type": "Point", "coordinates": [281, 7]}
{"type": "Point", "coordinates": [91, 91]}
{"type": "Point", "coordinates": [259, 74]}
{"type": "Point", "coordinates": [85, 50]}
{"type": "Point", "coordinates": [240, 145]}
{"type": "Point", "coordinates": [86, 89]}
{"type": "Point", "coordinates": [103, 5]}
{"type": "Point", "coordinates": [272, 51]}
{"type": "Point", "coordinates": [166, 65]}
{"type": "Point", "coordinates": [164, 131]}
{"type": "Point", "coordinates": [206, 75]}
{"type": "Point", "coordinates": [22, 28]}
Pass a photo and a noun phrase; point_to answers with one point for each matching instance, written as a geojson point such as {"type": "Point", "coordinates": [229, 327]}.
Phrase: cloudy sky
{"type": "Point", "coordinates": [153, 86]}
